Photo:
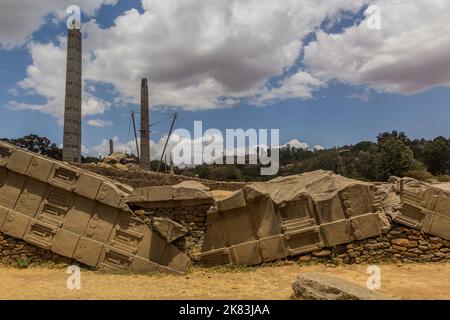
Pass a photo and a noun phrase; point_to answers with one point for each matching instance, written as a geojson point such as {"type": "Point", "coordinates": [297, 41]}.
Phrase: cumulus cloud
{"type": "Point", "coordinates": [409, 54]}
{"type": "Point", "coordinates": [299, 85]}
{"type": "Point", "coordinates": [208, 54]}
{"type": "Point", "coordinates": [297, 144]}
{"type": "Point", "coordinates": [302, 145]}
{"type": "Point", "coordinates": [99, 123]}
{"type": "Point", "coordinates": [318, 148]}
{"type": "Point", "coordinates": [196, 54]}
{"type": "Point", "coordinates": [46, 78]}
{"type": "Point", "coordinates": [213, 54]}
{"type": "Point", "coordinates": [129, 147]}
{"type": "Point", "coordinates": [20, 18]}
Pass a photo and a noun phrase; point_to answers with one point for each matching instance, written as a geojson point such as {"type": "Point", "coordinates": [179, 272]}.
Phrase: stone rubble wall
{"type": "Point", "coordinates": [191, 217]}
{"type": "Point", "coordinates": [400, 244]}
{"type": "Point", "coordinates": [188, 206]}
{"type": "Point", "coordinates": [18, 253]}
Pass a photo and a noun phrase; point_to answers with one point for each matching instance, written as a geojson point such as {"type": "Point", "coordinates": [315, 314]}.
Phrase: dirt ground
{"type": "Point", "coordinates": [407, 281]}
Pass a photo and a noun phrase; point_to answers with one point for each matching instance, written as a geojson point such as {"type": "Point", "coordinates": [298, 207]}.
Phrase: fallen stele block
{"type": "Point", "coordinates": [423, 206]}
{"type": "Point", "coordinates": [79, 215]}
{"type": "Point", "coordinates": [316, 286]}
{"type": "Point", "coordinates": [291, 215]}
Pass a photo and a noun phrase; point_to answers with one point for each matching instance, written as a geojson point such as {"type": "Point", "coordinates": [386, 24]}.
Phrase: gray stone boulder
{"type": "Point", "coordinates": [316, 286]}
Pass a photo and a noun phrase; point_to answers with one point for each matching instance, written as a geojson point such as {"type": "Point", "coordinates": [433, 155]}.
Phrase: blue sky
{"type": "Point", "coordinates": [314, 87]}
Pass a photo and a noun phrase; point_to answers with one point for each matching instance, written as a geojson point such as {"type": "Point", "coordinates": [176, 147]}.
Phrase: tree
{"type": "Point", "coordinates": [382, 137]}
{"type": "Point", "coordinates": [154, 165]}
{"type": "Point", "coordinates": [325, 160]}
{"type": "Point", "coordinates": [90, 159]}
{"type": "Point", "coordinates": [203, 171]}
{"type": "Point", "coordinates": [225, 173]}
{"type": "Point", "coordinates": [396, 157]}
{"type": "Point", "coordinates": [363, 146]}
{"type": "Point", "coordinates": [37, 144]}
{"type": "Point", "coordinates": [436, 154]}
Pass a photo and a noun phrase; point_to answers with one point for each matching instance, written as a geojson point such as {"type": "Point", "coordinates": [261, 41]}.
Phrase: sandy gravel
{"type": "Point", "coordinates": [408, 281]}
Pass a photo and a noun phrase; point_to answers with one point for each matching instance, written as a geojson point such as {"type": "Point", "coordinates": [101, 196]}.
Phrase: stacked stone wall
{"type": "Point", "coordinates": [192, 217]}
{"type": "Point", "coordinates": [17, 253]}
{"type": "Point", "coordinates": [400, 244]}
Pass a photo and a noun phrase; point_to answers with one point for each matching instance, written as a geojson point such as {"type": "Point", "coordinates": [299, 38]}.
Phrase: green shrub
{"type": "Point", "coordinates": [22, 263]}
{"type": "Point", "coordinates": [420, 174]}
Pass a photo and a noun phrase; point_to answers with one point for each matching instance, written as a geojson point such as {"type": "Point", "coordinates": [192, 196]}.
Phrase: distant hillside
{"type": "Point", "coordinates": [393, 154]}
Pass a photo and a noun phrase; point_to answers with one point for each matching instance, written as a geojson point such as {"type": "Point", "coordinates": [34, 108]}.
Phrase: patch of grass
{"type": "Point", "coordinates": [309, 262]}
{"type": "Point", "coordinates": [22, 263]}
{"type": "Point", "coordinates": [224, 269]}
{"type": "Point", "coordinates": [334, 252]}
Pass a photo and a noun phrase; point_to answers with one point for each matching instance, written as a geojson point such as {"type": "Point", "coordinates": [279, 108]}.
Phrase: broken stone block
{"type": "Point", "coordinates": [169, 196]}
{"type": "Point", "coordinates": [287, 216]}
{"type": "Point", "coordinates": [316, 286]}
{"type": "Point", "coordinates": [424, 206]}
{"type": "Point", "coordinates": [79, 215]}
{"type": "Point", "coordinates": [168, 229]}
{"type": "Point", "coordinates": [191, 184]}
{"type": "Point", "coordinates": [120, 158]}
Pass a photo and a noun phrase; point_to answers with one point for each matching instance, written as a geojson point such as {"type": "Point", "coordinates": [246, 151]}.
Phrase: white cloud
{"type": "Point", "coordinates": [20, 18]}
{"type": "Point", "coordinates": [361, 96]}
{"type": "Point", "coordinates": [46, 77]}
{"type": "Point", "coordinates": [318, 148]}
{"type": "Point", "coordinates": [208, 54]}
{"type": "Point", "coordinates": [13, 92]}
{"type": "Point", "coordinates": [297, 144]}
{"type": "Point", "coordinates": [302, 145]}
{"type": "Point", "coordinates": [211, 54]}
{"type": "Point", "coordinates": [129, 147]}
{"type": "Point", "coordinates": [299, 85]}
{"type": "Point", "coordinates": [84, 149]}
{"type": "Point", "coordinates": [197, 54]}
{"type": "Point", "coordinates": [99, 123]}
{"type": "Point", "coordinates": [409, 54]}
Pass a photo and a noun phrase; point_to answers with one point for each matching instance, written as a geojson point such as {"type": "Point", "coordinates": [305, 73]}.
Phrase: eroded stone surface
{"type": "Point", "coordinates": [316, 286]}
{"type": "Point", "coordinates": [291, 215]}
{"type": "Point", "coordinates": [77, 214]}
{"type": "Point", "coordinates": [420, 205]}
{"type": "Point", "coordinates": [168, 229]}
{"type": "Point", "coordinates": [169, 196]}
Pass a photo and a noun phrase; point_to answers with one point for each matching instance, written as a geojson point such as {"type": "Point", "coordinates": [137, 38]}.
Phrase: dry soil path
{"type": "Point", "coordinates": [409, 281]}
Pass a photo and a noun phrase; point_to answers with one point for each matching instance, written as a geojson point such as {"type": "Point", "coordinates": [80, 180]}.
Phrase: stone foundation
{"type": "Point", "coordinates": [400, 244]}
{"type": "Point", "coordinates": [17, 253]}
{"type": "Point", "coordinates": [192, 218]}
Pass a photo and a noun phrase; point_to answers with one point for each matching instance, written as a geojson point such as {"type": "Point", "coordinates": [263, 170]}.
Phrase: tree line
{"type": "Point", "coordinates": [393, 154]}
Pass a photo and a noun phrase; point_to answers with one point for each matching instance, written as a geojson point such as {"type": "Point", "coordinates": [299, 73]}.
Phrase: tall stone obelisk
{"type": "Point", "coordinates": [144, 161]}
{"type": "Point", "coordinates": [72, 106]}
